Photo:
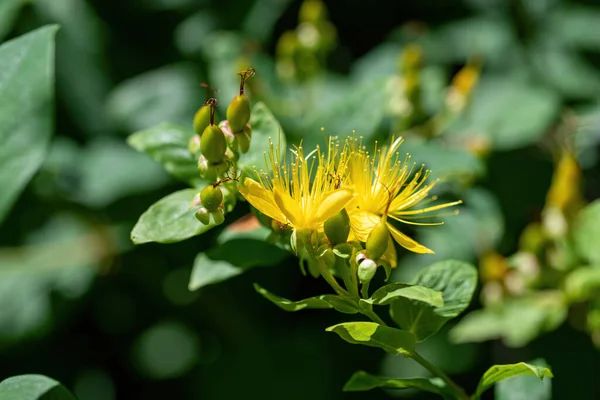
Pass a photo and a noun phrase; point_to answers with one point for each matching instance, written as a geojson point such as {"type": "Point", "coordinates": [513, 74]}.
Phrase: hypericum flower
{"type": "Point", "coordinates": [301, 193]}
{"type": "Point", "coordinates": [386, 186]}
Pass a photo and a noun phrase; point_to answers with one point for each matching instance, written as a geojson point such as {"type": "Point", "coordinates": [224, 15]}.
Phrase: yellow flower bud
{"type": "Point", "coordinates": [337, 228]}
{"type": "Point", "coordinates": [378, 241]}
{"type": "Point", "coordinates": [211, 197]}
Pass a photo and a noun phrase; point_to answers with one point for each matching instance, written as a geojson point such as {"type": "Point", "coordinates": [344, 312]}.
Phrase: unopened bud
{"type": "Point", "coordinates": [196, 202]}
{"type": "Point", "coordinates": [238, 112]}
{"type": "Point", "coordinates": [378, 241]}
{"type": "Point", "coordinates": [202, 119]}
{"type": "Point", "coordinates": [337, 228]}
{"type": "Point", "coordinates": [366, 270]}
{"type": "Point", "coordinates": [242, 139]}
{"type": "Point", "coordinates": [212, 144]}
{"type": "Point", "coordinates": [211, 197]}
{"type": "Point", "coordinates": [202, 215]}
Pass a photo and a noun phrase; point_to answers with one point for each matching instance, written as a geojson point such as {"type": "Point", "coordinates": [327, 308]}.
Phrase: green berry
{"type": "Point", "coordinates": [213, 144]}
{"type": "Point", "coordinates": [337, 228]}
{"type": "Point", "coordinates": [202, 215]}
{"type": "Point", "coordinates": [378, 240]}
{"type": "Point", "coordinates": [202, 119]}
{"type": "Point", "coordinates": [211, 197]}
{"type": "Point", "coordinates": [238, 113]}
{"type": "Point", "coordinates": [218, 216]}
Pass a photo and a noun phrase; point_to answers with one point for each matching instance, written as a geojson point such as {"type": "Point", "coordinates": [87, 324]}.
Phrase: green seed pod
{"type": "Point", "coordinates": [202, 119]}
{"type": "Point", "coordinates": [238, 113]}
{"type": "Point", "coordinates": [213, 145]}
{"type": "Point", "coordinates": [202, 215]}
{"type": "Point", "coordinates": [211, 172]}
{"type": "Point", "coordinates": [218, 216]}
{"type": "Point", "coordinates": [366, 270]}
{"type": "Point", "coordinates": [194, 144]}
{"type": "Point", "coordinates": [378, 240]}
{"type": "Point", "coordinates": [211, 197]}
{"type": "Point", "coordinates": [337, 228]}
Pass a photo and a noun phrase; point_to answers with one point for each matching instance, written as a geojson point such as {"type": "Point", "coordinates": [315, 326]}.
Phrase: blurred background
{"type": "Point", "coordinates": [490, 94]}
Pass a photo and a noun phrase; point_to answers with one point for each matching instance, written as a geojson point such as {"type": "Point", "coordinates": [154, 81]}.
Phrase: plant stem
{"type": "Point", "coordinates": [331, 279]}
{"type": "Point", "coordinates": [374, 317]}
{"type": "Point", "coordinates": [457, 390]}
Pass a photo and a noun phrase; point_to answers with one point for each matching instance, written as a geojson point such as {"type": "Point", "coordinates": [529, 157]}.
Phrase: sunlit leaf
{"type": "Point", "coordinates": [264, 127]}
{"type": "Point", "coordinates": [499, 373]}
{"type": "Point", "coordinates": [33, 387]}
{"type": "Point", "coordinates": [455, 279]}
{"type": "Point", "coordinates": [362, 381]}
{"type": "Point", "coordinates": [586, 232]}
{"type": "Point", "coordinates": [27, 97]}
{"type": "Point", "coordinates": [392, 340]}
{"type": "Point", "coordinates": [169, 220]}
{"type": "Point", "coordinates": [388, 293]}
{"type": "Point", "coordinates": [524, 387]}
{"type": "Point", "coordinates": [168, 144]}
{"type": "Point", "coordinates": [232, 258]}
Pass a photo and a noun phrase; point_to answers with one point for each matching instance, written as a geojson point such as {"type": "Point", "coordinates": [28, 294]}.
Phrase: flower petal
{"type": "Point", "coordinates": [332, 203]}
{"type": "Point", "coordinates": [408, 243]}
{"type": "Point", "coordinates": [261, 199]}
{"type": "Point", "coordinates": [289, 207]}
{"type": "Point", "coordinates": [362, 223]}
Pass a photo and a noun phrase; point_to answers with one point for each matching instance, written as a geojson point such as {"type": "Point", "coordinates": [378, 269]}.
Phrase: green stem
{"type": "Point", "coordinates": [374, 317]}
{"type": "Point", "coordinates": [331, 279]}
{"type": "Point", "coordinates": [456, 390]}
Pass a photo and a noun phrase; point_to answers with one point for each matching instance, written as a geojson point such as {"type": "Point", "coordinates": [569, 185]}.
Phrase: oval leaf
{"type": "Point", "coordinates": [323, 301]}
{"type": "Point", "coordinates": [168, 145]}
{"type": "Point", "coordinates": [264, 127]}
{"type": "Point", "coordinates": [232, 258]}
{"type": "Point", "coordinates": [586, 232]}
{"type": "Point", "coordinates": [27, 97]}
{"type": "Point", "coordinates": [32, 387]}
{"type": "Point", "coordinates": [524, 387]}
{"type": "Point", "coordinates": [498, 373]}
{"type": "Point", "coordinates": [388, 293]}
{"type": "Point", "coordinates": [169, 220]}
{"type": "Point", "coordinates": [456, 281]}
{"type": "Point", "coordinates": [362, 381]}
{"type": "Point", "coordinates": [392, 340]}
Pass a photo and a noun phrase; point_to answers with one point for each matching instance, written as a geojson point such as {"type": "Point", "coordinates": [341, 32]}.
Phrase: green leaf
{"type": "Point", "coordinates": [524, 387]}
{"type": "Point", "coordinates": [264, 127]}
{"type": "Point", "coordinates": [27, 98]}
{"type": "Point", "coordinates": [232, 258]}
{"type": "Point", "coordinates": [582, 284]}
{"type": "Point", "coordinates": [169, 220]}
{"type": "Point", "coordinates": [170, 93]}
{"type": "Point", "coordinates": [516, 321]}
{"type": "Point", "coordinates": [499, 373]}
{"type": "Point", "coordinates": [392, 340]}
{"type": "Point", "coordinates": [456, 281]}
{"type": "Point", "coordinates": [9, 10]}
{"type": "Point", "coordinates": [323, 301]}
{"type": "Point", "coordinates": [33, 387]}
{"type": "Point", "coordinates": [388, 293]}
{"type": "Point", "coordinates": [362, 381]}
{"type": "Point", "coordinates": [586, 232]}
{"type": "Point", "coordinates": [168, 144]}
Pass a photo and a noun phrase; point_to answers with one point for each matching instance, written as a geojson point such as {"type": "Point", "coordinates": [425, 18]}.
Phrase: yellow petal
{"type": "Point", "coordinates": [407, 242]}
{"type": "Point", "coordinates": [261, 198]}
{"type": "Point", "coordinates": [289, 207]}
{"type": "Point", "coordinates": [332, 204]}
{"type": "Point", "coordinates": [362, 223]}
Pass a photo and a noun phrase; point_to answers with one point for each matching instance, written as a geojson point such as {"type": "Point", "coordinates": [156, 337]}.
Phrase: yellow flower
{"type": "Point", "coordinates": [301, 193]}
{"type": "Point", "coordinates": [386, 186]}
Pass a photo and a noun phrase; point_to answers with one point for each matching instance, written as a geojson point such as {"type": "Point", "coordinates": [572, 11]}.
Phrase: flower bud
{"type": "Point", "coordinates": [194, 144]}
{"type": "Point", "coordinates": [218, 216]}
{"type": "Point", "coordinates": [337, 228]}
{"type": "Point", "coordinates": [378, 241]}
{"type": "Point", "coordinates": [202, 119]}
{"type": "Point", "coordinates": [366, 270]}
{"type": "Point", "coordinates": [212, 144]}
{"type": "Point", "coordinates": [211, 197]}
{"type": "Point", "coordinates": [202, 215]}
{"type": "Point", "coordinates": [238, 113]}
